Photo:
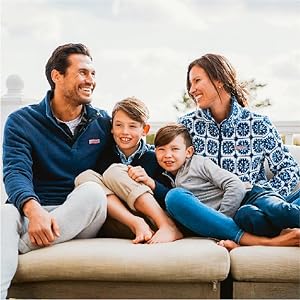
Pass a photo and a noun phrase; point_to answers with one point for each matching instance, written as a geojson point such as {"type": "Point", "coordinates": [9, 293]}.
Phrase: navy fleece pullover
{"type": "Point", "coordinates": [41, 160]}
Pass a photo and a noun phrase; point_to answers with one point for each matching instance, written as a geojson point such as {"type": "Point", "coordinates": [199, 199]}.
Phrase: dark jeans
{"type": "Point", "coordinates": [185, 207]}
{"type": "Point", "coordinates": [265, 213]}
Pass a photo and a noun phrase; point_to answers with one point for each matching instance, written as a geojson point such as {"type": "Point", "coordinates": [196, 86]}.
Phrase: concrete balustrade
{"type": "Point", "coordinates": [14, 98]}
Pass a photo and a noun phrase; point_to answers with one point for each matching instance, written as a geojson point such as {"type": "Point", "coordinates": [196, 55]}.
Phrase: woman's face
{"type": "Point", "coordinates": [202, 89]}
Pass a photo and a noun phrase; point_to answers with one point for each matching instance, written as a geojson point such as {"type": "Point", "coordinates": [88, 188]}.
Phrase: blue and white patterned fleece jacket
{"type": "Point", "coordinates": [241, 144]}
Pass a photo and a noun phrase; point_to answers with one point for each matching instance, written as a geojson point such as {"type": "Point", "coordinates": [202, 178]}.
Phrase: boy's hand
{"type": "Point", "coordinates": [248, 186]}
{"type": "Point", "coordinates": [139, 175]}
{"type": "Point", "coordinates": [42, 227]}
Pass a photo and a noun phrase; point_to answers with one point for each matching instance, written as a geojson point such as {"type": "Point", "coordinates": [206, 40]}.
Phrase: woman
{"type": "Point", "coordinates": [240, 141]}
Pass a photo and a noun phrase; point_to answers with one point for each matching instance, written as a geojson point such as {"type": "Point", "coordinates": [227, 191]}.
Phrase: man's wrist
{"type": "Point", "coordinates": [30, 205]}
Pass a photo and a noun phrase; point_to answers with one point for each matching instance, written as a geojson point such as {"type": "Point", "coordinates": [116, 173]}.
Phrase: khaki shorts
{"type": "Point", "coordinates": [115, 180]}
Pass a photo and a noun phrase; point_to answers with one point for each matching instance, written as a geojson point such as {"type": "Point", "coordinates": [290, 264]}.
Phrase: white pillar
{"type": "Point", "coordinates": [289, 138]}
{"type": "Point", "coordinates": [10, 102]}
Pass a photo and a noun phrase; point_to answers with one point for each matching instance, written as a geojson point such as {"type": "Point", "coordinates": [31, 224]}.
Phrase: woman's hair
{"type": "Point", "coordinates": [59, 59]}
{"type": "Point", "coordinates": [168, 133]}
{"type": "Point", "coordinates": [217, 67]}
{"type": "Point", "coordinates": [134, 108]}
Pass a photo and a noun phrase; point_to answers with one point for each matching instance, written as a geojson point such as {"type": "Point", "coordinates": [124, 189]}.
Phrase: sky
{"type": "Point", "coordinates": [142, 48]}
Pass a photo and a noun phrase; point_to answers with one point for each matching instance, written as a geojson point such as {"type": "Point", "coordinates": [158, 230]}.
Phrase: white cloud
{"type": "Point", "coordinates": [116, 7]}
{"type": "Point", "coordinates": [287, 67]}
{"type": "Point", "coordinates": [143, 48]}
{"type": "Point", "coordinates": [26, 20]}
{"type": "Point", "coordinates": [181, 13]}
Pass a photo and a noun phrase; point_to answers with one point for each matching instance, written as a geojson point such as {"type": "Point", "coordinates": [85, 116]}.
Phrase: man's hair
{"type": "Point", "coordinates": [217, 67]}
{"type": "Point", "coordinates": [134, 108]}
{"type": "Point", "coordinates": [168, 133]}
{"type": "Point", "coordinates": [59, 59]}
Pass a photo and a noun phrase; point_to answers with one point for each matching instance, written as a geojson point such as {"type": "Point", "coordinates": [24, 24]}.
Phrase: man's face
{"type": "Point", "coordinates": [78, 83]}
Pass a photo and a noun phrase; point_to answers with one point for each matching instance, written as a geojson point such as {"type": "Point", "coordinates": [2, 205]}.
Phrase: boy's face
{"type": "Point", "coordinates": [127, 132]}
{"type": "Point", "coordinates": [172, 156]}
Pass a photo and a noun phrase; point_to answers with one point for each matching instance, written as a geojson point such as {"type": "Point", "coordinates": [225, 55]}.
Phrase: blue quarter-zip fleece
{"type": "Point", "coordinates": [40, 160]}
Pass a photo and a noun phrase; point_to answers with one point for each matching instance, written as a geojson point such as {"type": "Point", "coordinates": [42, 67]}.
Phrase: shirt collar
{"type": "Point", "coordinates": [235, 111]}
{"type": "Point", "coordinates": [128, 160]}
{"type": "Point", "coordinates": [88, 113]}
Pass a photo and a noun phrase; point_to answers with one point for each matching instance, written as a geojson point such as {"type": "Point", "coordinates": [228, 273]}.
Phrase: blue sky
{"type": "Point", "coordinates": [143, 47]}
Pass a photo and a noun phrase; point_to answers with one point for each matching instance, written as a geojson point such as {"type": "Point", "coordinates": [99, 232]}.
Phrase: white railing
{"type": "Point", "coordinates": [290, 131]}
{"type": "Point", "coordinates": [13, 99]}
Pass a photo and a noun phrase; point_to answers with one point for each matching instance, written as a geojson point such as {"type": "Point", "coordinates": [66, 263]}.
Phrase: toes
{"type": "Point", "coordinates": [148, 237]}
{"type": "Point", "coordinates": [144, 237]}
{"type": "Point", "coordinates": [138, 239]}
{"type": "Point", "coordinates": [221, 243]}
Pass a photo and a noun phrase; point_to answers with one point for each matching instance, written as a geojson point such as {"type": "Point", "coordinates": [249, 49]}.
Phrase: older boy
{"type": "Point", "coordinates": [206, 196]}
{"type": "Point", "coordinates": [145, 181]}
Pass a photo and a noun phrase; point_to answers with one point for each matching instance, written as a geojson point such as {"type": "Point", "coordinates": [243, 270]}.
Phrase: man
{"type": "Point", "coordinates": [45, 147]}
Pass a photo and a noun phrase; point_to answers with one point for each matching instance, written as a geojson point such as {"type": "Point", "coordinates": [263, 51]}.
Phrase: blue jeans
{"type": "Point", "coordinates": [265, 213]}
{"type": "Point", "coordinates": [203, 220]}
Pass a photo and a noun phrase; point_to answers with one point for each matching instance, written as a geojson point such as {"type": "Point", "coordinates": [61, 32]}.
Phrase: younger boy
{"type": "Point", "coordinates": [145, 182]}
{"type": "Point", "coordinates": [206, 197]}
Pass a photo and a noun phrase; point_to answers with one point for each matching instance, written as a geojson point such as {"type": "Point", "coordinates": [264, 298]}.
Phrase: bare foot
{"type": "Point", "coordinates": [287, 237]}
{"type": "Point", "coordinates": [165, 234]}
{"type": "Point", "coordinates": [228, 244]}
{"type": "Point", "coordinates": [286, 230]}
{"type": "Point", "coordinates": [142, 231]}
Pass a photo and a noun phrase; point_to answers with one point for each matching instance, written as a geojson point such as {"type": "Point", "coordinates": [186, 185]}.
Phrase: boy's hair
{"type": "Point", "coordinates": [168, 133]}
{"type": "Point", "coordinates": [134, 108]}
{"type": "Point", "coordinates": [59, 59]}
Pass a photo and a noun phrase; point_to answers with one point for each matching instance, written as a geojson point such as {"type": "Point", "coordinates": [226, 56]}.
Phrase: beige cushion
{"type": "Point", "coordinates": [187, 260]}
{"type": "Point", "coordinates": [266, 264]}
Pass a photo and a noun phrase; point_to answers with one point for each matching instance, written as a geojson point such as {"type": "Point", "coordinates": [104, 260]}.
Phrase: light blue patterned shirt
{"type": "Point", "coordinates": [128, 160]}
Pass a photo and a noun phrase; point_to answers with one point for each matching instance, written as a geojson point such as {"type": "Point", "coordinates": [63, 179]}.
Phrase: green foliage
{"type": "Point", "coordinates": [150, 138]}
{"type": "Point", "coordinates": [184, 104]}
{"type": "Point", "coordinates": [252, 86]}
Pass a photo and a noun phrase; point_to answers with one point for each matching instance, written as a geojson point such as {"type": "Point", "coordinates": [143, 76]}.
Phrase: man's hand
{"type": "Point", "coordinates": [42, 227]}
{"type": "Point", "coordinates": [139, 175]}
